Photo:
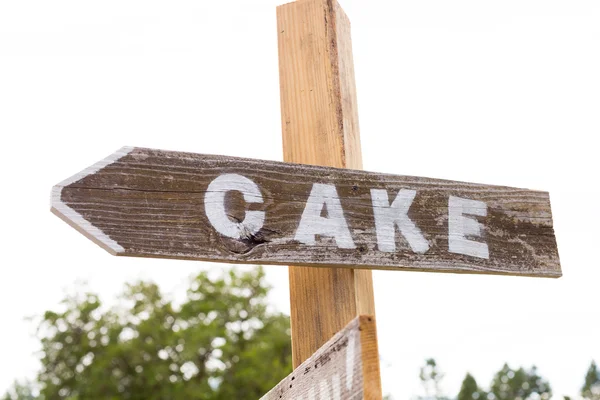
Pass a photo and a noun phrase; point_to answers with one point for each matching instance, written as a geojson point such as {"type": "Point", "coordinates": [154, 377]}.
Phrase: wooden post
{"type": "Point", "coordinates": [320, 126]}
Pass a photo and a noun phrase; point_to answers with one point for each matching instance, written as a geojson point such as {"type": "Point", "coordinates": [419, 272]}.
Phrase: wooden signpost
{"type": "Point", "coordinates": [154, 203]}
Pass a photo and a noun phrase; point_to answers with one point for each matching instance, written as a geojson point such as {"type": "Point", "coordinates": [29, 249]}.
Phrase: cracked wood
{"type": "Point", "coordinates": [153, 203]}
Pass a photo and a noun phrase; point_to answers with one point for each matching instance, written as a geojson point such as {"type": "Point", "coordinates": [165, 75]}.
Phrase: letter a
{"type": "Point", "coordinates": [334, 225]}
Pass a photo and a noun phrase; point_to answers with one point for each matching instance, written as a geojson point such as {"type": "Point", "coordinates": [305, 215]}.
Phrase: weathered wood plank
{"type": "Point", "coordinates": [319, 117]}
{"type": "Point", "coordinates": [344, 368]}
{"type": "Point", "coordinates": [153, 203]}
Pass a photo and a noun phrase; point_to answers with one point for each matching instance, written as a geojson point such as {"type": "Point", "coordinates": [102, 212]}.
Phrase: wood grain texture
{"type": "Point", "coordinates": [344, 368]}
{"type": "Point", "coordinates": [369, 350]}
{"type": "Point", "coordinates": [320, 127]}
{"type": "Point", "coordinates": [152, 203]}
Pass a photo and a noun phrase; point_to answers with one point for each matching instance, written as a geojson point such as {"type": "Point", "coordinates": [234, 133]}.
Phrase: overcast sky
{"type": "Point", "coordinates": [503, 93]}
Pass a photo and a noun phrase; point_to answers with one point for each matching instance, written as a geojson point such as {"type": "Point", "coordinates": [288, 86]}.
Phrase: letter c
{"type": "Point", "coordinates": [214, 205]}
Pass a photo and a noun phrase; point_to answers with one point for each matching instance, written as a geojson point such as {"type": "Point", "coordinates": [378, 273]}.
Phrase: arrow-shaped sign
{"type": "Point", "coordinates": [344, 368]}
{"type": "Point", "coordinates": [154, 203]}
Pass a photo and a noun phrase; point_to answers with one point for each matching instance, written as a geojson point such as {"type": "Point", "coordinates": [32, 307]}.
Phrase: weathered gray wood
{"type": "Point", "coordinates": [340, 370]}
{"type": "Point", "coordinates": [154, 203]}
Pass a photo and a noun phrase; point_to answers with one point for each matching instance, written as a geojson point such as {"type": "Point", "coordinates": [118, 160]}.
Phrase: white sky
{"type": "Point", "coordinates": [502, 93]}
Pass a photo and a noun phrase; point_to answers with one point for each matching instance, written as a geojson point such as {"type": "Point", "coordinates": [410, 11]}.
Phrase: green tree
{"type": "Point", "coordinates": [519, 384]}
{"type": "Point", "coordinates": [21, 391]}
{"type": "Point", "coordinates": [469, 389]}
{"type": "Point", "coordinates": [591, 387]}
{"type": "Point", "coordinates": [221, 343]}
{"type": "Point", "coordinates": [431, 379]}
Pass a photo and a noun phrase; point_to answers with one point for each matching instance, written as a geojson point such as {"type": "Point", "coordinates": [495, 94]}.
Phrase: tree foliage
{"type": "Point", "coordinates": [507, 384]}
{"type": "Point", "coordinates": [469, 389]}
{"type": "Point", "coordinates": [221, 343]}
{"type": "Point", "coordinates": [21, 391]}
{"type": "Point", "coordinates": [431, 379]}
{"type": "Point", "coordinates": [591, 386]}
{"type": "Point", "coordinates": [520, 384]}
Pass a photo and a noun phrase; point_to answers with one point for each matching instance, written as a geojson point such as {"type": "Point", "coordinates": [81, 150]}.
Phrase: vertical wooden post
{"type": "Point", "coordinates": [320, 126]}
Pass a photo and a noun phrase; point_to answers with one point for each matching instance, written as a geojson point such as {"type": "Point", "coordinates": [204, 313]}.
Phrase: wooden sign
{"type": "Point", "coordinates": [344, 368]}
{"type": "Point", "coordinates": [154, 203]}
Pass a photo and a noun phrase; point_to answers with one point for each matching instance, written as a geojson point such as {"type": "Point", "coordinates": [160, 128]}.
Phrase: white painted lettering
{"type": "Point", "coordinates": [336, 386]}
{"type": "Point", "coordinates": [388, 217]}
{"type": "Point", "coordinates": [460, 226]}
{"type": "Point", "coordinates": [214, 205]}
{"type": "Point", "coordinates": [324, 390]}
{"type": "Point", "coordinates": [350, 350]}
{"type": "Point", "coordinates": [334, 225]}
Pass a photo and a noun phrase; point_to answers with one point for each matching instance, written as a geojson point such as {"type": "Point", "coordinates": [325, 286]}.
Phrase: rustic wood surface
{"type": "Point", "coordinates": [143, 202]}
{"type": "Point", "coordinates": [345, 368]}
{"type": "Point", "coordinates": [319, 120]}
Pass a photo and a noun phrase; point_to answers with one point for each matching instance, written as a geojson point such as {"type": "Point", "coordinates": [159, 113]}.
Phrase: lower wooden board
{"type": "Point", "coordinates": [344, 368]}
{"type": "Point", "coordinates": [154, 203]}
